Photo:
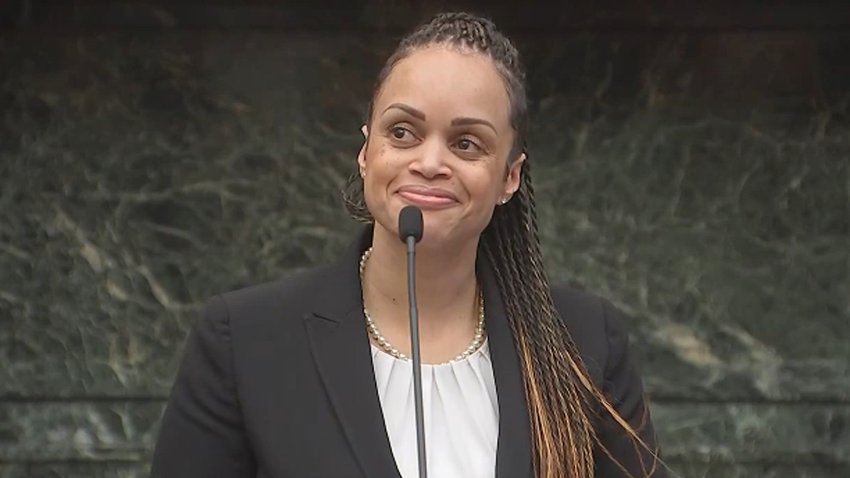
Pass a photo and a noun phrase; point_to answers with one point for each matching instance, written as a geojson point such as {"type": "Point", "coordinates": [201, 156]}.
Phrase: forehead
{"type": "Point", "coordinates": [447, 82]}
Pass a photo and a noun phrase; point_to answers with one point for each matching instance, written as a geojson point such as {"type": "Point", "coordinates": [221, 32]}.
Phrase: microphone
{"type": "Point", "coordinates": [410, 232]}
{"type": "Point", "coordinates": [410, 224]}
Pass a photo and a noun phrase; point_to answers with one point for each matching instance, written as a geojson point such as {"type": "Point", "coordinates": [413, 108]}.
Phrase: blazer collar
{"type": "Point", "coordinates": [513, 455]}
{"type": "Point", "coordinates": [340, 346]}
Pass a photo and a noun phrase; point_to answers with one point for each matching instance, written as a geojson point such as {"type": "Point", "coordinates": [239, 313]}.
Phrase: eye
{"type": "Point", "coordinates": [468, 145]}
{"type": "Point", "coordinates": [402, 134]}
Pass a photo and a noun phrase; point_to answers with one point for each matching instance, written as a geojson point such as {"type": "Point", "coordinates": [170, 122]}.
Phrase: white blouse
{"type": "Point", "coordinates": [461, 414]}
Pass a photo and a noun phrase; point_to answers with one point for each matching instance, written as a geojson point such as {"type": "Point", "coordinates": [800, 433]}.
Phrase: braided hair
{"type": "Point", "coordinates": [562, 399]}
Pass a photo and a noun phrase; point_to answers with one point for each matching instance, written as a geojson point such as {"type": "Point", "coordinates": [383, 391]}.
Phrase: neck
{"type": "Point", "coordinates": [444, 275]}
{"type": "Point", "coordinates": [446, 290]}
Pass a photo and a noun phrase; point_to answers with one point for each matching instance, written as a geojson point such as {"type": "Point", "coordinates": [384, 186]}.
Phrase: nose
{"type": "Point", "coordinates": [432, 160]}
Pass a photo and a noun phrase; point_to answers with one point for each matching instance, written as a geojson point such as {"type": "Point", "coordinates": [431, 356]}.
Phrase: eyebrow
{"type": "Point", "coordinates": [462, 121]}
{"type": "Point", "coordinates": [407, 109]}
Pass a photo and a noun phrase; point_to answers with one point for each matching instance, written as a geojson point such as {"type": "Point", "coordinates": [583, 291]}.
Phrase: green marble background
{"type": "Point", "coordinates": [698, 177]}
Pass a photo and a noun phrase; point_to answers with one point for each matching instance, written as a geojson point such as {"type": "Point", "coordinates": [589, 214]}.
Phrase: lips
{"type": "Point", "coordinates": [428, 197]}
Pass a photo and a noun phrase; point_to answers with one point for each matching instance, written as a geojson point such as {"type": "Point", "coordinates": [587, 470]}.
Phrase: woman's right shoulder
{"type": "Point", "coordinates": [276, 301]}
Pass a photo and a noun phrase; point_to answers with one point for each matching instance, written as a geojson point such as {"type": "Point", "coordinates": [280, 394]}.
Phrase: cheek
{"type": "Point", "coordinates": [378, 171]}
{"type": "Point", "coordinates": [491, 183]}
{"type": "Point", "coordinates": [386, 164]}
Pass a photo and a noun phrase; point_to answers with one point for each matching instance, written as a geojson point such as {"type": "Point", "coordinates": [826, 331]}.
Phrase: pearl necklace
{"type": "Point", "coordinates": [385, 344]}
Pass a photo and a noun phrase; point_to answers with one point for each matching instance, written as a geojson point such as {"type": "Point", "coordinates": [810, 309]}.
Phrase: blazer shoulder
{"type": "Point", "coordinates": [289, 296]}
{"type": "Point", "coordinates": [594, 325]}
{"type": "Point", "coordinates": [582, 312]}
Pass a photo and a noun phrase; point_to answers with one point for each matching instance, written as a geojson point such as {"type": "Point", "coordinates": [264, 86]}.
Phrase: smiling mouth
{"type": "Point", "coordinates": [427, 199]}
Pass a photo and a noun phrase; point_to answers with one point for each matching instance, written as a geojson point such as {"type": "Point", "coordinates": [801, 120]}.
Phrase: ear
{"type": "Point", "coordinates": [361, 156]}
{"type": "Point", "coordinates": [512, 181]}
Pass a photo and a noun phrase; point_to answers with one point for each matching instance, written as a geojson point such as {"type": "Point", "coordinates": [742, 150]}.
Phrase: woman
{"type": "Point", "coordinates": [308, 376]}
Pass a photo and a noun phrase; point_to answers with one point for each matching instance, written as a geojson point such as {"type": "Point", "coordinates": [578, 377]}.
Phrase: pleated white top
{"type": "Point", "coordinates": [461, 414]}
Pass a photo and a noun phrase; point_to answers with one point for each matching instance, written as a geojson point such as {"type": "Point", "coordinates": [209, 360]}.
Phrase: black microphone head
{"type": "Point", "coordinates": [410, 223]}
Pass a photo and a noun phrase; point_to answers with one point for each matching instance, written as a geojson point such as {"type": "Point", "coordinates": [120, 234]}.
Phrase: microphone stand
{"type": "Point", "coordinates": [410, 227]}
{"type": "Point", "coordinates": [416, 357]}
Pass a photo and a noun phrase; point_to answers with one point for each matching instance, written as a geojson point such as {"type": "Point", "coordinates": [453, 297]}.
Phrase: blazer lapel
{"type": "Point", "coordinates": [340, 347]}
{"type": "Point", "coordinates": [513, 455]}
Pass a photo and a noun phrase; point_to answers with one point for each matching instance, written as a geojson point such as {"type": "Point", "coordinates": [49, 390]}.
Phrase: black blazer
{"type": "Point", "coordinates": [277, 381]}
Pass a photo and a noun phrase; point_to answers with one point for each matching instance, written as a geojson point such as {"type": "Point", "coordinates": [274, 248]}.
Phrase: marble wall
{"type": "Point", "coordinates": [695, 172]}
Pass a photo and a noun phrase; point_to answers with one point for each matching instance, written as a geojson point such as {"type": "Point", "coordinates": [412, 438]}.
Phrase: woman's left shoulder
{"type": "Point", "coordinates": [599, 331]}
{"type": "Point", "coordinates": [595, 326]}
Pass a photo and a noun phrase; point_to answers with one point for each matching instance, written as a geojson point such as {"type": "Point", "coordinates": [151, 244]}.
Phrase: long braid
{"type": "Point", "coordinates": [562, 399]}
{"type": "Point", "coordinates": [559, 408]}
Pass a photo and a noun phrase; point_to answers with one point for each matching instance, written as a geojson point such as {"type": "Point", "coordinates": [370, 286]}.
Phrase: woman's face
{"type": "Point", "coordinates": [439, 138]}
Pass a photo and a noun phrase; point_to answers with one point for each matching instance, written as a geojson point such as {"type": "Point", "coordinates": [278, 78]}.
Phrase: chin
{"type": "Point", "coordinates": [442, 227]}
{"type": "Point", "coordinates": [439, 233]}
